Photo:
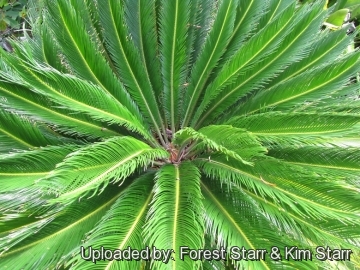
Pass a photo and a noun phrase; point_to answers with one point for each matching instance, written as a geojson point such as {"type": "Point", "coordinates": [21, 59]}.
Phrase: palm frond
{"type": "Point", "coordinates": [174, 19]}
{"type": "Point", "coordinates": [93, 167]}
{"type": "Point", "coordinates": [200, 21]}
{"type": "Point", "coordinates": [331, 232]}
{"type": "Point", "coordinates": [342, 100]}
{"type": "Point", "coordinates": [324, 50]}
{"type": "Point", "coordinates": [91, 20]}
{"type": "Point", "coordinates": [304, 26]}
{"type": "Point", "coordinates": [174, 218]}
{"type": "Point", "coordinates": [43, 49]}
{"type": "Point", "coordinates": [34, 106]}
{"type": "Point", "coordinates": [39, 242]}
{"type": "Point", "coordinates": [195, 15]}
{"type": "Point", "coordinates": [117, 230]}
{"type": "Point", "coordinates": [213, 49]}
{"type": "Point", "coordinates": [70, 31]}
{"type": "Point", "coordinates": [20, 169]}
{"type": "Point", "coordinates": [258, 47]}
{"type": "Point", "coordinates": [126, 58]}
{"type": "Point", "coordinates": [19, 133]}
{"type": "Point", "coordinates": [343, 105]}
{"type": "Point", "coordinates": [20, 198]}
{"type": "Point", "coordinates": [247, 18]}
{"type": "Point", "coordinates": [204, 20]}
{"type": "Point", "coordinates": [88, 98]}
{"type": "Point", "coordinates": [235, 139]}
{"type": "Point", "coordinates": [337, 162]}
{"type": "Point", "coordinates": [141, 20]}
{"type": "Point", "coordinates": [231, 222]}
{"type": "Point", "coordinates": [232, 142]}
{"type": "Point", "coordinates": [273, 8]}
{"type": "Point", "coordinates": [314, 83]}
{"type": "Point", "coordinates": [22, 203]}
{"type": "Point", "coordinates": [300, 129]}
{"type": "Point", "coordinates": [289, 185]}
{"type": "Point", "coordinates": [282, 124]}
{"type": "Point", "coordinates": [281, 221]}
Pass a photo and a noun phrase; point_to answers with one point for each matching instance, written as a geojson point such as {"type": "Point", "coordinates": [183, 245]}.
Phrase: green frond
{"type": "Point", "coordinates": [334, 198]}
{"type": "Point", "coordinates": [339, 163]}
{"type": "Point", "coordinates": [21, 199]}
{"type": "Point", "coordinates": [173, 21]}
{"type": "Point", "coordinates": [303, 140]}
{"type": "Point", "coordinates": [324, 50]}
{"type": "Point", "coordinates": [175, 215]}
{"type": "Point", "coordinates": [235, 139]}
{"type": "Point", "coordinates": [203, 21]}
{"type": "Point", "coordinates": [55, 241]}
{"type": "Point", "coordinates": [248, 14]}
{"type": "Point", "coordinates": [300, 129]}
{"type": "Point", "coordinates": [260, 44]}
{"type": "Point", "coordinates": [195, 14]}
{"type": "Point", "coordinates": [312, 191]}
{"type": "Point", "coordinates": [20, 169]}
{"type": "Point", "coordinates": [92, 21]}
{"type": "Point", "coordinates": [117, 230]}
{"type": "Point", "coordinates": [24, 102]}
{"type": "Point", "coordinates": [43, 49]}
{"type": "Point", "coordinates": [200, 20]}
{"type": "Point", "coordinates": [82, 55]}
{"type": "Point", "coordinates": [309, 231]}
{"type": "Point", "coordinates": [213, 49]}
{"type": "Point", "coordinates": [280, 221]}
{"type": "Point", "coordinates": [93, 167]}
{"type": "Point", "coordinates": [302, 28]}
{"type": "Point", "coordinates": [273, 9]}
{"type": "Point", "coordinates": [342, 100]}
{"type": "Point", "coordinates": [232, 142]}
{"type": "Point", "coordinates": [141, 21]}
{"type": "Point", "coordinates": [88, 98]}
{"type": "Point", "coordinates": [302, 123]}
{"type": "Point", "coordinates": [18, 133]}
{"type": "Point", "coordinates": [286, 185]}
{"type": "Point", "coordinates": [19, 231]}
{"type": "Point", "coordinates": [126, 59]}
{"type": "Point", "coordinates": [22, 203]}
{"type": "Point", "coordinates": [346, 105]}
{"type": "Point", "coordinates": [311, 84]}
{"type": "Point", "coordinates": [212, 264]}
{"type": "Point", "coordinates": [232, 222]}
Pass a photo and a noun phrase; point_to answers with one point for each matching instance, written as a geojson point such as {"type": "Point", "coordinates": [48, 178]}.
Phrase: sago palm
{"type": "Point", "coordinates": [183, 123]}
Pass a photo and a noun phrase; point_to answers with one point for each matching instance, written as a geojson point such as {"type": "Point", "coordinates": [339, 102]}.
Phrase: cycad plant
{"type": "Point", "coordinates": [215, 125]}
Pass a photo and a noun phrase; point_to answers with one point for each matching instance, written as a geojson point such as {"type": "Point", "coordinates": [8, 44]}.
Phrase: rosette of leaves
{"type": "Point", "coordinates": [179, 123]}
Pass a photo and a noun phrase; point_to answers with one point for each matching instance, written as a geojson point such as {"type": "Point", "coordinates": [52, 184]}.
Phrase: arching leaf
{"type": "Point", "coordinates": [174, 219]}
{"type": "Point", "coordinates": [117, 231]}
{"type": "Point", "coordinates": [90, 169]}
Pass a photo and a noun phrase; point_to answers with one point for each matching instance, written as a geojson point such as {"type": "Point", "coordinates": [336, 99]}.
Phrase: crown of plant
{"type": "Point", "coordinates": [158, 123]}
